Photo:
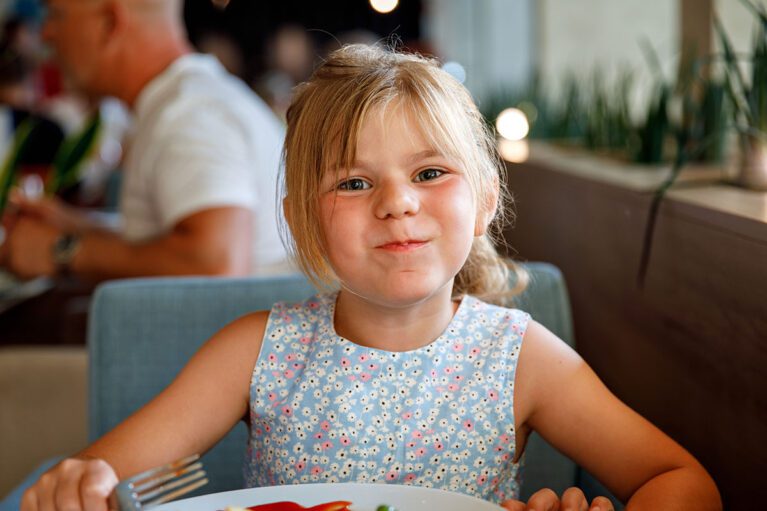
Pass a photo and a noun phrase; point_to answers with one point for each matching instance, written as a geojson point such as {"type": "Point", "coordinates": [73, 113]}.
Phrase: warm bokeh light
{"type": "Point", "coordinates": [455, 69]}
{"type": "Point", "coordinates": [512, 124]}
{"type": "Point", "coordinates": [384, 6]}
{"type": "Point", "coordinates": [514, 151]}
{"type": "Point", "coordinates": [221, 4]}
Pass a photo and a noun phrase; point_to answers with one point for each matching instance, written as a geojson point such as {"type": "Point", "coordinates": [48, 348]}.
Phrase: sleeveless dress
{"type": "Point", "coordinates": [326, 410]}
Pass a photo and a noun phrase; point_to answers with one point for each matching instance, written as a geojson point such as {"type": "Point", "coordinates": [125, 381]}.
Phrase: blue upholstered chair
{"type": "Point", "coordinates": [142, 331]}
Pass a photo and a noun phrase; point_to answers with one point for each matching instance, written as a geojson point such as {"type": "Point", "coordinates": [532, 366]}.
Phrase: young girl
{"type": "Point", "coordinates": [404, 374]}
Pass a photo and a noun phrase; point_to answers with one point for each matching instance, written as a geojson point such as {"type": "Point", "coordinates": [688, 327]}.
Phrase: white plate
{"type": "Point", "coordinates": [364, 497]}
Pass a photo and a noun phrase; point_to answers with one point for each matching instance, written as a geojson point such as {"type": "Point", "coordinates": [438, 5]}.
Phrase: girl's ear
{"type": "Point", "coordinates": [486, 209]}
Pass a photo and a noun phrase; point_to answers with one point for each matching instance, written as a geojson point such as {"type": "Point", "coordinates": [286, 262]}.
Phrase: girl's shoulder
{"type": "Point", "coordinates": [244, 333]}
{"type": "Point", "coordinates": [307, 311]}
{"type": "Point", "coordinates": [310, 305]}
{"type": "Point", "coordinates": [252, 326]}
{"type": "Point", "coordinates": [541, 346]}
{"type": "Point", "coordinates": [476, 306]}
{"type": "Point", "coordinates": [481, 319]}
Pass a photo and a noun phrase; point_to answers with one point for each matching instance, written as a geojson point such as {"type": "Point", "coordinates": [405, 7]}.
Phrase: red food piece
{"type": "Point", "coordinates": [340, 505]}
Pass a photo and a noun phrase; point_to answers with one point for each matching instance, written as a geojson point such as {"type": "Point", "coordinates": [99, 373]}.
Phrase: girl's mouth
{"type": "Point", "coordinates": [402, 246]}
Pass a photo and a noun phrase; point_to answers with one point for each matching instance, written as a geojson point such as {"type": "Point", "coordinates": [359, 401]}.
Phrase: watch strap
{"type": "Point", "coordinates": [64, 250]}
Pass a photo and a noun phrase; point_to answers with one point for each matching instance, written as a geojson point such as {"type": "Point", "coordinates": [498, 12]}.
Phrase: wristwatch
{"type": "Point", "coordinates": [64, 250]}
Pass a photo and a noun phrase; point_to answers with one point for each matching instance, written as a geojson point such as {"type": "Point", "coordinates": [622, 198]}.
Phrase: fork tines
{"type": "Point", "coordinates": [161, 484]}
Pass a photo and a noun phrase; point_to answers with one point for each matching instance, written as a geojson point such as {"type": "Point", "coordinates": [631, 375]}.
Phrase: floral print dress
{"type": "Point", "coordinates": [323, 409]}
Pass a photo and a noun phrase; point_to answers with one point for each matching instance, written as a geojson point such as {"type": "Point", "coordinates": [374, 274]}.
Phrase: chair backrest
{"type": "Point", "coordinates": [142, 332]}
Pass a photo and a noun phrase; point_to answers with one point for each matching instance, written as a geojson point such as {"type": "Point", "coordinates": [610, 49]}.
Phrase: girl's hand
{"type": "Point", "coordinates": [573, 499]}
{"type": "Point", "coordinates": [74, 484]}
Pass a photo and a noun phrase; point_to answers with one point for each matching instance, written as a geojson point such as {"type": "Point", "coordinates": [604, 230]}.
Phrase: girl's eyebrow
{"type": "Point", "coordinates": [413, 158]}
{"type": "Point", "coordinates": [422, 155]}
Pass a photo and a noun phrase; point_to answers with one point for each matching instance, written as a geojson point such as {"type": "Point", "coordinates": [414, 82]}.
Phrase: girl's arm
{"type": "Point", "coordinates": [196, 410]}
{"type": "Point", "coordinates": [558, 395]}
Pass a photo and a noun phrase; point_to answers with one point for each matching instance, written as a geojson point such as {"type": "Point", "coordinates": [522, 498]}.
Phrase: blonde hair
{"type": "Point", "coordinates": [324, 122]}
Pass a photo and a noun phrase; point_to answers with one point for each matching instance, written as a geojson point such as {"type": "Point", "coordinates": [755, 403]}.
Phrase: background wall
{"type": "Point", "coordinates": [492, 39]}
{"type": "Point", "coordinates": [580, 37]}
{"type": "Point", "coordinates": [502, 43]}
{"type": "Point", "coordinates": [738, 21]}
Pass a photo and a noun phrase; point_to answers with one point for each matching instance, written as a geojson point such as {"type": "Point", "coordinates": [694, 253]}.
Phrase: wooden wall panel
{"type": "Point", "coordinates": [689, 350]}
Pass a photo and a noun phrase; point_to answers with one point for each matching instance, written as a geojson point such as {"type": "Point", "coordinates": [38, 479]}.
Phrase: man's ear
{"type": "Point", "coordinates": [486, 209]}
{"type": "Point", "coordinates": [114, 15]}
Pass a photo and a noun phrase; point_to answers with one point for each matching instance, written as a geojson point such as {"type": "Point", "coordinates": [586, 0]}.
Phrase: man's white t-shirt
{"type": "Point", "coordinates": [202, 139]}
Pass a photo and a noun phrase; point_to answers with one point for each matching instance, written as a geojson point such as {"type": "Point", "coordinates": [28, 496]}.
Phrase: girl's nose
{"type": "Point", "coordinates": [396, 200]}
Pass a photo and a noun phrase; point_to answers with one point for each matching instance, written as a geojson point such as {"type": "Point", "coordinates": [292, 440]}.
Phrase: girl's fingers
{"type": "Point", "coordinates": [97, 485]}
{"type": "Point", "coordinates": [573, 499]}
{"type": "Point", "coordinates": [72, 485]}
{"type": "Point", "coordinates": [29, 500]}
{"type": "Point", "coordinates": [543, 500]}
{"type": "Point", "coordinates": [67, 493]}
{"type": "Point", "coordinates": [601, 504]}
{"type": "Point", "coordinates": [45, 490]}
{"type": "Point", "coordinates": [513, 505]}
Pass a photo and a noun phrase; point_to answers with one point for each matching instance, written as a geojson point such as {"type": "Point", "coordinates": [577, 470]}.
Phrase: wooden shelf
{"type": "Point", "coordinates": [688, 348]}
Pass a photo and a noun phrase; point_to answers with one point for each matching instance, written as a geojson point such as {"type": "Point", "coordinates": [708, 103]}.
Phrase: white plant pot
{"type": "Point", "coordinates": [752, 163]}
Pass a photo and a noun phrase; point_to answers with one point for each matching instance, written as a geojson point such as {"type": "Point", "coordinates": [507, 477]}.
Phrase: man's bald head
{"type": "Point", "coordinates": [113, 47]}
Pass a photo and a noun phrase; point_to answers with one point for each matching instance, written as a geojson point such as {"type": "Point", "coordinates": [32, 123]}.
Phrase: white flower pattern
{"type": "Point", "coordinates": [323, 409]}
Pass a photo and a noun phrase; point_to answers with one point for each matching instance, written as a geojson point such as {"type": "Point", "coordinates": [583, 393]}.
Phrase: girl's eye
{"type": "Point", "coordinates": [428, 174]}
{"type": "Point", "coordinates": [354, 184]}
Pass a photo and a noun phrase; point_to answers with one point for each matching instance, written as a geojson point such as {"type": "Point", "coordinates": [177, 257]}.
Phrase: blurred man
{"type": "Point", "coordinates": [198, 195]}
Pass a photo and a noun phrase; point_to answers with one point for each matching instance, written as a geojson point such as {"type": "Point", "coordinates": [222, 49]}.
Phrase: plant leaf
{"type": "Point", "coordinates": [10, 166]}
{"type": "Point", "coordinates": [734, 80]}
{"type": "Point", "coordinates": [652, 57]}
{"type": "Point", "coordinates": [757, 8]}
{"type": "Point", "coordinates": [69, 159]}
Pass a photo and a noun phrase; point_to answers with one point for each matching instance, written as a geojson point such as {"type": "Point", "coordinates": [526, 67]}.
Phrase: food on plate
{"type": "Point", "coordinates": [340, 505]}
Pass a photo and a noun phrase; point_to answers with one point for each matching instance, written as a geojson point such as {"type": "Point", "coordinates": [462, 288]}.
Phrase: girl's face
{"type": "Point", "coordinates": [400, 225]}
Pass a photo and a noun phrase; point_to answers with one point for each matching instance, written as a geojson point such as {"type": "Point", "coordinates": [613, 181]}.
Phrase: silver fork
{"type": "Point", "coordinates": [160, 484]}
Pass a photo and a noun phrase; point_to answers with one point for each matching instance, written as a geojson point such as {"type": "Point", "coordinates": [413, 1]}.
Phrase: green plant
{"type": "Point", "coordinates": [596, 131]}
{"type": "Point", "coordinates": [701, 132]}
{"type": "Point", "coordinates": [10, 166]}
{"type": "Point", "coordinates": [607, 123]}
{"type": "Point", "coordinates": [655, 129]}
{"type": "Point", "coordinates": [620, 114]}
{"type": "Point", "coordinates": [68, 164]}
{"type": "Point", "coordinates": [566, 117]}
{"type": "Point", "coordinates": [530, 98]}
{"type": "Point", "coordinates": [713, 124]}
{"type": "Point", "coordinates": [749, 99]}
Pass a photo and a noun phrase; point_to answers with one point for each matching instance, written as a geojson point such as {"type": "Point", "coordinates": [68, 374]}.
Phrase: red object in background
{"type": "Point", "coordinates": [50, 79]}
{"type": "Point", "coordinates": [292, 506]}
